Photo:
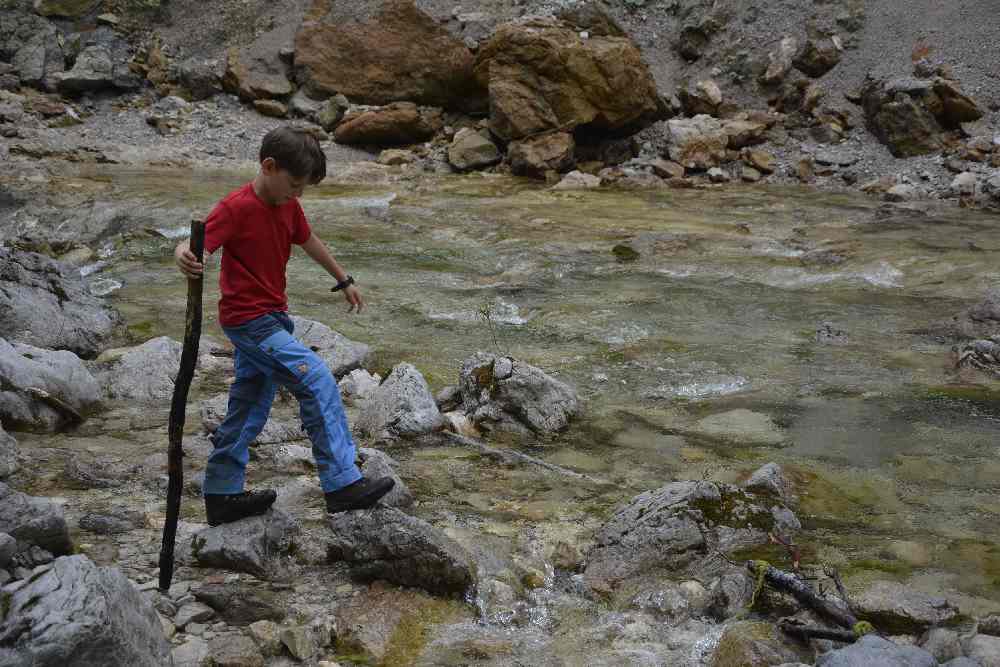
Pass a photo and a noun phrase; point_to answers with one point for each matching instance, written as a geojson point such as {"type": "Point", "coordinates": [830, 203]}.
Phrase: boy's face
{"type": "Point", "coordinates": [281, 185]}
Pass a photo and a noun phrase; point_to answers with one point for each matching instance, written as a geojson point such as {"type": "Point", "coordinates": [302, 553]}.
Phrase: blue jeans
{"type": "Point", "coordinates": [267, 354]}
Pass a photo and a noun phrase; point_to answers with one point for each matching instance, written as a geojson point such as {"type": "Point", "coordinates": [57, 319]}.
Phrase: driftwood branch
{"type": "Point", "coordinates": [178, 405]}
{"type": "Point", "coordinates": [56, 403]}
{"type": "Point", "coordinates": [805, 632]}
{"type": "Point", "coordinates": [511, 456]}
{"type": "Point", "coordinates": [800, 589]}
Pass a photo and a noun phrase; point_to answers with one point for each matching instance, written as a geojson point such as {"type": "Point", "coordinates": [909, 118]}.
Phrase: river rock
{"type": "Point", "coordinates": [256, 72]}
{"type": "Point", "coordinates": [242, 603]}
{"type": "Point", "coordinates": [142, 374]}
{"type": "Point", "coordinates": [540, 154]}
{"type": "Point", "coordinates": [818, 56]}
{"type": "Point", "coordinates": [46, 303]}
{"type": "Point", "coordinates": [697, 143]}
{"type": "Point", "coordinates": [942, 643]}
{"type": "Point", "coordinates": [340, 353]}
{"type": "Point", "coordinates": [901, 193]}
{"type": "Point", "coordinates": [192, 653]}
{"type": "Point", "coordinates": [910, 115]}
{"type": "Point", "coordinates": [77, 613]}
{"type": "Point", "coordinates": [395, 124]}
{"type": "Point", "coordinates": [471, 150]}
{"type": "Point", "coordinates": [673, 527]}
{"type": "Point", "coordinates": [577, 180]}
{"type": "Point", "coordinates": [399, 54]}
{"type": "Point", "coordinates": [964, 184]}
{"type": "Point", "coordinates": [874, 651]}
{"type": "Point", "coordinates": [232, 650]}
{"type": "Point", "coordinates": [93, 71]}
{"type": "Point", "coordinates": [384, 543]}
{"type": "Point", "coordinates": [375, 464]}
{"type": "Point", "coordinates": [276, 431]}
{"type": "Point", "coordinates": [897, 609]}
{"type": "Point", "coordinates": [332, 113]}
{"type": "Point", "coordinates": [983, 649]}
{"type": "Point", "coordinates": [507, 394]}
{"type": "Point", "coordinates": [34, 521]}
{"type": "Point", "coordinates": [25, 371]}
{"type": "Point", "coordinates": [254, 545]}
{"type": "Point", "coordinates": [543, 75]}
{"type": "Point", "coordinates": [402, 406]}
{"type": "Point", "coordinates": [752, 644]}
{"type": "Point", "coordinates": [8, 454]}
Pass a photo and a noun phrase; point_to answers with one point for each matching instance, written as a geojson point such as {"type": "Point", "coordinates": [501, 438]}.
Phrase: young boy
{"type": "Point", "coordinates": [256, 226]}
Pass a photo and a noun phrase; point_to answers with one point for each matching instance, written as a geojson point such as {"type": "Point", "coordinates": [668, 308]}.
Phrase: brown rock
{"type": "Point", "coordinates": [805, 170]}
{"type": "Point", "coordinates": [255, 74]}
{"type": "Point", "coordinates": [956, 107]}
{"type": "Point", "coordinates": [818, 56]}
{"type": "Point", "coordinates": [743, 133]}
{"type": "Point", "coordinates": [272, 108]}
{"type": "Point", "coordinates": [537, 155]}
{"type": "Point", "coordinates": [666, 168]}
{"type": "Point", "coordinates": [704, 97]}
{"type": "Point", "coordinates": [879, 185]}
{"type": "Point", "coordinates": [542, 75]}
{"type": "Point", "coordinates": [400, 54]}
{"type": "Point", "coordinates": [471, 150]}
{"type": "Point", "coordinates": [394, 157]}
{"type": "Point", "coordinates": [397, 123]}
{"type": "Point", "coordinates": [750, 175]}
{"type": "Point", "coordinates": [697, 143]}
{"type": "Point", "coordinates": [65, 8]}
{"type": "Point", "coordinates": [780, 61]}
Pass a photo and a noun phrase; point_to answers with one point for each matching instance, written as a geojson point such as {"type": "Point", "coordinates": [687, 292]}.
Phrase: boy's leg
{"type": "Point", "coordinates": [250, 399]}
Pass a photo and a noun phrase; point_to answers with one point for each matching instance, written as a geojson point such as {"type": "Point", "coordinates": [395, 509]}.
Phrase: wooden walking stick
{"type": "Point", "coordinates": [175, 429]}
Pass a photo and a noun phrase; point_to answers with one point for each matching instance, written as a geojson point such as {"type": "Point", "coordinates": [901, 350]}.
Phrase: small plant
{"type": "Point", "coordinates": [485, 312]}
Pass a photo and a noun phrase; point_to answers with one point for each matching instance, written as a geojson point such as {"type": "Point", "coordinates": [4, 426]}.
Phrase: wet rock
{"type": "Point", "coordinates": [305, 106]}
{"type": "Point", "coordinates": [254, 545]}
{"type": "Point", "coordinates": [901, 193]}
{"type": "Point", "coordinates": [375, 464]}
{"type": "Point", "coordinates": [666, 168]}
{"type": "Point", "coordinates": [241, 603]}
{"type": "Point", "coordinates": [717, 175]}
{"type": "Point", "coordinates": [896, 609]}
{"type": "Point", "coordinates": [358, 385]}
{"type": "Point", "coordinates": [704, 97]}
{"type": "Point", "coordinates": [507, 394]}
{"type": "Point", "coordinates": [752, 644]}
{"type": "Point", "coordinates": [34, 520]}
{"type": "Point", "coordinates": [741, 426]}
{"type": "Point", "coordinates": [538, 155]}
{"type": "Point", "coordinates": [749, 174]}
{"type": "Point", "coordinates": [780, 61]}
{"type": "Point", "coordinates": [396, 123]}
{"type": "Point", "coordinates": [673, 527]}
{"type": "Point", "coordinates": [577, 180]}
{"type": "Point", "coordinates": [384, 543]}
{"type": "Point", "coordinates": [332, 113]}
{"type": "Point", "coordinates": [542, 75]}
{"type": "Point", "coordinates": [874, 651]}
{"type": "Point", "coordinates": [46, 303]}
{"type": "Point", "coordinates": [770, 479]}
{"type": "Point", "coordinates": [234, 651]}
{"type": "Point", "coordinates": [471, 150]}
{"type": "Point", "coordinates": [78, 613]}
{"type": "Point", "coordinates": [399, 54]}
{"type": "Point", "coordinates": [192, 653]}
{"type": "Point", "coordinates": [276, 431]}
{"type": "Point", "coordinates": [8, 454]}
{"type": "Point", "coordinates": [402, 406]}
{"type": "Point", "coordinates": [114, 521]}
{"type": "Point", "coordinates": [271, 108]}
{"type": "Point", "coordinates": [979, 321]}
{"type": "Point", "coordinates": [256, 72]}
{"type": "Point", "coordinates": [395, 157]}
{"type": "Point", "coordinates": [142, 374]}
{"type": "Point", "coordinates": [984, 649]}
{"type": "Point", "coordinates": [818, 56]}
{"type": "Point", "coordinates": [942, 643]}
{"type": "Point", "coordinates": [697, 143]}
{"type": "Point", "coordinates": [340, 353]}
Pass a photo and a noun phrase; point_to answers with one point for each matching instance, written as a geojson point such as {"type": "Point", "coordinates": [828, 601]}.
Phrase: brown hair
{"type": "Point", "coordinates": [296, 151]}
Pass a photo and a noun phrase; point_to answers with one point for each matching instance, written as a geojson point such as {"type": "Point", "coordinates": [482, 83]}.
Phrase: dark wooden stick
{"type": "Point", "coordinates": [807, 632]}
{"type": "Point", "coordinates": [178, 405]}
{"type": "Point", "coordinates": [799, 589]}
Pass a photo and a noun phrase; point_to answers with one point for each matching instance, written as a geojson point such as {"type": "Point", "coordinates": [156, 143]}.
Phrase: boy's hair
{"type": "Point", "coordinates": [296, 151]}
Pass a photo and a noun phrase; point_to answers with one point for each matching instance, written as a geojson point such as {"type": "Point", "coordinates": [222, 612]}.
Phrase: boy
{"type": "Point", "coordinates": [256, 226]}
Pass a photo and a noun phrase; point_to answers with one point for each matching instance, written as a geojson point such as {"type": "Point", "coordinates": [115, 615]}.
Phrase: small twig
{"type": "Point", "coordinates": [791, 547]}
{"type": "Point", "coordinates": [841, 591]}
{"type": "Point", "coordinates": [56, 403]}
{"type": "Point", "coordinates": [512, 456]}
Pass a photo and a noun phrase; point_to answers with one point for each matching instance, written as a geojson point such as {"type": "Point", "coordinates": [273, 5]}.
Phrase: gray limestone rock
{"type": "Point", "coordinates": [358, 385]}
{"type": "Point", "coordinates": [34, 520]}
{"type": "Point", "coordinates": [241, 603]}
{"type": "Point", "coordinates": [233, 650]}
{"type": "Point", "coordinates": [984, 649]}
{"type": "Point", "coordinates": [8, 547]}
{"type": "Point", "coordinates": [8, 454]}
{"type": "Point", "coordinates": [254, 545]}
{"type": "Point", "coordinates": [340, 353]}
{"type": "Point", "coordinates": [76, 613]}
{"type": "Point", "coordinates": [697, 143]}
{"type": "Point", "coordinates": [874, 651]}
{"type": "Point", "coordinates": [93, 71]}
{"type": "Point", "coordinates": [942, 643]}
{"type": "Point", "coordinates": [471, 150]}
{"type": "Point", "coordinates": [142, 374]}
{"type": "Point", "coordinates": [507, 394]}
{"type": "Point", "coordinates": [897, 609]}
{"type": "Point", "coordinates": [770, 478]}
{"type": "Point", "coordinates": [193, 612]}
{"type": "Point", "coordinates": [45, 303]}
{"type": "Point", "coordinates": [192, 653]}
{"type": "Point", "coordinates": [112, 521]}
{"type": "Point", "coordinates": [384, 543]}
{"type": "Point", "coordinates": [38, 385]}
{"type": "Point", "coordinates": [375, 464]}
{"type": "Point", "coordinates": [402, 406]}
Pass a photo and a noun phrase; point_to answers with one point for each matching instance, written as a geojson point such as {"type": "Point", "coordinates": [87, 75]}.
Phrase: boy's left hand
{"type": "Point", "coordinates": [353, 297]}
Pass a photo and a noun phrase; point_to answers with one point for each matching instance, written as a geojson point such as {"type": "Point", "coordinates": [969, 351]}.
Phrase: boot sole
{"type": "Point", "coordinates": [225, 520]}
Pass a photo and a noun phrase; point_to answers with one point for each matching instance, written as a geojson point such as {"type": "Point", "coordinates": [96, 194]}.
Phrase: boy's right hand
{"type": "Point", "coordinates": [187, 263]}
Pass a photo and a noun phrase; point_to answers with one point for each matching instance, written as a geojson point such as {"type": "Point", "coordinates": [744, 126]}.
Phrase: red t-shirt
{"type": "Point", "coordinates": [257, 241]}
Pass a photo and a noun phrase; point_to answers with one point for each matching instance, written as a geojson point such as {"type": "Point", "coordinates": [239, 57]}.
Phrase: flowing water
{"type": "Point", "coordinates": [710, 304]}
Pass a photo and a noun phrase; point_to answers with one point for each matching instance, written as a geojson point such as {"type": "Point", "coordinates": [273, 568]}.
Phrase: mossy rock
{"type": "Point", "coordinates": [752, 644]}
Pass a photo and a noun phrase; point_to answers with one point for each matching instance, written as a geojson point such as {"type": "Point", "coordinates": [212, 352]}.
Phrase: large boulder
{"type": "Point", "coordinates": [257, 72]}
{"type": "Point", "coordinates": [92, 71]}
{"type": "Point", "coordinates": [77, 613]}
{"type": "Point", "coordinates": [897, 609]}
{"type": "Point", "coordinates": [534, 156]}
{"type": "Point", "coordinates": [399, 54]}
{"type": "Point", "coordinates": [34, 521]}
{"type": "Point", "coordinates": [676, 526]}
{"type": "Point", "coordinates": [43, 390]}
{"type": "Point", "coordinates": [697, 143]}
{"type": "Point", "coordinates": [910, 115]}
{"type": "Point", "coordinates": [506, 394]}
{"type": "Point", "coordinates": [874, 651]}
{"type": "Point", "coordinates": [385, 543]}
{"type": "Point", "coordinates": [395, 124]}
{"type": "Point", "coordinates": [341, 354]}
{"type": "Point", "coordinates": [46, 303]}
{"type": "Point", "coordinates": [8, 454]}
{"type": "Point", "coordinates": [255, 545]}
{"type": "Point", "coordinates": [402, 406]}
{"type": "Point", "coordinates": [143, 374]}
{"type": "Point", "coordinates": [543, 75]}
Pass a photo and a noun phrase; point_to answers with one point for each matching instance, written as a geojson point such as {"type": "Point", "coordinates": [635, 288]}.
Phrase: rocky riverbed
{"type": "Point", "coordinates": [625, 337]}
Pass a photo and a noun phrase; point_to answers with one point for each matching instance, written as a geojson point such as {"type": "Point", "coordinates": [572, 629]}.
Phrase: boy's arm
{"type": "Point", "coordinates": [318, 252]}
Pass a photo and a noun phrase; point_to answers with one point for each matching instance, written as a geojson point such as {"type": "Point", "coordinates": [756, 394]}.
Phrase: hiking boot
{"type": "Point", "coordinates": [226, 508]}
{"type": "Point", "coordinates": [360, 495]}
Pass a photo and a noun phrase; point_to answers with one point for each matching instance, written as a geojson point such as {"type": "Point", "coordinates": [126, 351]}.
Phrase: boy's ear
{"type": "Point", "coordinates": [268, 165]}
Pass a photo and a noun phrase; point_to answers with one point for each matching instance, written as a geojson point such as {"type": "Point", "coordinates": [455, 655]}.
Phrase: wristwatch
{"type": "Point", "coordinates": [348, 281]}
